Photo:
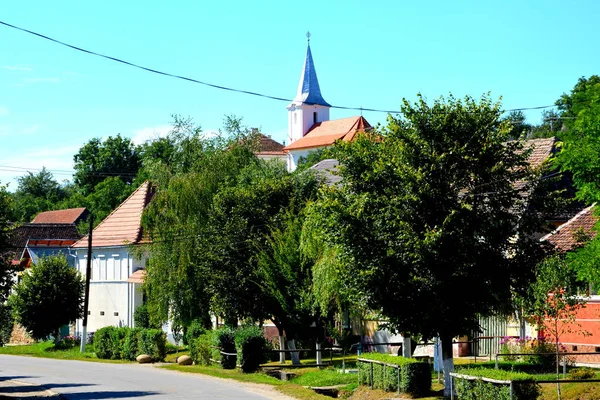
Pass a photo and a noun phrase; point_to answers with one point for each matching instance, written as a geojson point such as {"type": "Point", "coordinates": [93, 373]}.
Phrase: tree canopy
{"type": "Point", "coordinates": [96, 160]}
{"type": "Point", "coordinates": [431, 224]}
{"type": "Point", "coordinates": [49, 296]}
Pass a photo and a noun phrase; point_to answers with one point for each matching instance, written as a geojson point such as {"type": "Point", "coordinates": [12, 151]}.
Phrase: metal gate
{"type": "Point", "coordinates": [492, 330]}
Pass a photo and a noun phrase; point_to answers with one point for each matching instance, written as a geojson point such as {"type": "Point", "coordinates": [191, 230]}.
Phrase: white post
{"type": "Point", "coordinates": [319, 359]}
{"type": "Point", "coordinates": [281, 347]}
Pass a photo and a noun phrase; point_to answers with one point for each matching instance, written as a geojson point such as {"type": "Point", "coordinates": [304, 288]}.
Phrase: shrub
{"type": "Point", "coordinates": [203, 349]}
{"type": "Point", "coordinates": [524, 387]}
{"type": "Point", "coordinates": [6, 324]}
{"type": "Point", "coordinates": [103, 344]}
{"type": "Point", "coordinates": [68, 342]}
{"type": "Point", "coordinates": [251, 347]}
{"type": "Point", "coordinates": [141, 317]}
{"type": "Point", "coordinates": [131, 344]}
{"type": "Point", "coordinates": [118, 338]}
{"type": "Point", "coordinates": [193, 331]}
{"type": "Point", "coordinates": [225, 339]}
{"type": "Point", "coordinates": [582, 373]}
{"type": "Point", "coordinates": [153, 342]}
{"type": "Point", "coordinates": [415, 376]}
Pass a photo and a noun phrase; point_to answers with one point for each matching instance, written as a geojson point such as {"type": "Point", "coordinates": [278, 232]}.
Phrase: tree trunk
{"type": "Point", "coordinates": [293, 355]}
{"type": "Point", "coordinates": [447, 361]}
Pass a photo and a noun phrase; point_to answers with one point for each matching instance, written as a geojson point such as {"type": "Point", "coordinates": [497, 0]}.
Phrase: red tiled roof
{"type": "Point", "coordinates": [68, 216]}
{"type": "Point", "coordinates": [568, 236]}
{"type": "Point", "coordinates": [268, 146]}
{"type": "Point", "coordinates": [124, 224]}
{"type": "Point", "coordinates": [327, 132]}
{"type": "Point", "coordinates": [137, 277]}
{"type": "Point", "coordinates": [542, 150]}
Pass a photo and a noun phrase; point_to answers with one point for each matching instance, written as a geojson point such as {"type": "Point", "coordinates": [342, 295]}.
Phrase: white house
{"type": "Point", "coordinates": [116, 273]}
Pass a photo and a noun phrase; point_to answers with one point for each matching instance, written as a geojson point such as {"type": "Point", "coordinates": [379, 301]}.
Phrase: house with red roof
{"type": "Point", "coordinates": [117, 274]}
{"type": "Point", "coordinates": [309, 126]}
{"type": "Point", "coordinates": [568, 237]}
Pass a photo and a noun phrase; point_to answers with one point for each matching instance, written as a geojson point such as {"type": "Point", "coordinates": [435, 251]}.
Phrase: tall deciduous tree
{"type": "Point", "coordinates": [36, 193]}
{"type": "Point", "coordinates": [49, 296]}
{"type": "Point", "coordinates": [581, 138]}
{"type": "Point", "coordinates": [96, 160]}
{"type": "Point", "coordinates": [430, 225]}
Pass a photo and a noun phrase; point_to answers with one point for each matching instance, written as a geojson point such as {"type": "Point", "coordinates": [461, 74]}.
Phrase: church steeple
{"type": "Point", "coordinates": [309, 91]}
{"type": "Point", "coordinates": [308, 107]}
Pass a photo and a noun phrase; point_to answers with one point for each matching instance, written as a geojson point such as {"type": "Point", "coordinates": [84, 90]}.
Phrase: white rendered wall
{"type": "Point", "coordinates": [294, 157]}
{"type": "Point", "coordinates": [110, 292]}
{"type": "Point", "coordinates": [301, 119]}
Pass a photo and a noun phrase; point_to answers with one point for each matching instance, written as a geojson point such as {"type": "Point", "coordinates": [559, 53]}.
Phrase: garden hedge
{"type": "Point", "coordinates": [524, 386]}
{"type": "Point", "coordinates": [251, 347]}
{"type": "Point", "coordinates": [126, 343]}
{"type": "Point", "coordinates": [225, 339]}
{"type": "Point", "coordinates": [415, 376]}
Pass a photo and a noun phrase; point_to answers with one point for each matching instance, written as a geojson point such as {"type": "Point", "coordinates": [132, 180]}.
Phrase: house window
{"type": "Point", "coordinates": [597, 349]}
{"type": "Point", "coordinates": [116, 313]}
{"type": "Point", "coordinates": [101, 312]}
{"type": "Point", "coordinates": [574, 348]}
{"type": "Point", "coordinates": [314, 117]}
{"type": "Point", "coordinates": [89, 313]}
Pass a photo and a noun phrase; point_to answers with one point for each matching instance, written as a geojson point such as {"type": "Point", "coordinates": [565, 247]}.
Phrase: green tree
{"type": "Point", "coordinates": [518, 121]}
{"type": "Point", "coordinates": [97, 160]}
{"type": "Point", "coordinates": [284, 274]}
{"type": "Point", "coordinates": [36, 193]}
{"type": "Point", "coordinates": [554, 302]}
{"type": "Point", "coordinates": [551, 125]}
{"type": "Point", "coordinates": [49, 296]}
{"type": "Point", "coordinates": [430, 225]}
{"type": "Point", "coordinates": [7, 271]}
{"type": "Point", "coordinates": [581, 138]}
{"type": "Point", "coordinates": [177, 284]}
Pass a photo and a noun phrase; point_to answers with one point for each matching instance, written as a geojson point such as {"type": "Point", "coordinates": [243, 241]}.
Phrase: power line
{"type": "Point", "coordinates": [251, 93]}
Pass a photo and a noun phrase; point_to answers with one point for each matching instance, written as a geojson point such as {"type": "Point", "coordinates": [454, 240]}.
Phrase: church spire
{"type": "Point", "coordinates": [309, 91]}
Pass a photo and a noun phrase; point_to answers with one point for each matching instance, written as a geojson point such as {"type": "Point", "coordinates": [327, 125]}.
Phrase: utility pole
{"type": "Point", "coordinates": [88, 274]}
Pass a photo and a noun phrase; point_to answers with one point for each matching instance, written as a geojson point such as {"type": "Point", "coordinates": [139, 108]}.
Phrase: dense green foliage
{"type": "Point", "coordinates": [193, 331]}
{"type": "Point", "coordinates": [411, 376]}
{"type": "Point", "coordinates": [49, 296]}
{"type": "Point", "coordinates": [97, 159]}
{"type": "Point", "coordinates": [430, 225]}
{"type": "Point", "coordinates": [225, 340]}
{"type": "Point", "coordinates": [141, 318]}
{"type": "Point", "coordinates": [204, 349]}
{"type": "Point", "coordinates": [126, 343]}
{"type": "Point", "coordinates": [251, 347]}
{"type": "Point", "coordinates": [524, 386]}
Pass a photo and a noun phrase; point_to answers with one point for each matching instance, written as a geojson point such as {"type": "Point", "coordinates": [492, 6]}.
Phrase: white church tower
{"type": "Point", "coordinates": [308, 107]}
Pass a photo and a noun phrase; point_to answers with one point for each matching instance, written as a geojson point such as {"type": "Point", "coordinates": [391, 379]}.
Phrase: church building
{"type": "Point", "coordinates": [309, 126]}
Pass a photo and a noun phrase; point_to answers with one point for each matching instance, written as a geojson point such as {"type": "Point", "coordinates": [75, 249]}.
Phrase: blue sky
{"type": "Point", "coordinates": [367, 54]}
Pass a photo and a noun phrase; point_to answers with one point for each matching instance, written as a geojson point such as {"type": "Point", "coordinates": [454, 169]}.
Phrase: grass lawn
{"type": "Point", "coordinates": [47, 350]}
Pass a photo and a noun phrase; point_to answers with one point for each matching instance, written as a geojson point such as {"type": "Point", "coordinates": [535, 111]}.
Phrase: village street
{"type": "Point", "coordinates": [90, 380]}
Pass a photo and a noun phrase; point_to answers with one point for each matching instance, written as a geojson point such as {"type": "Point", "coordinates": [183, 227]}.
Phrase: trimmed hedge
{"type": "Point", "coordinates": [204, 348]}
{"type": "Point", "coordinates": [251, 347]}
{"type": "Point", "coordinates": [524, 386]}
{"type": "Point", "coordinates": [415, 376]}
{"type": "Point", "coordinates": [225, 339]}
{"type": "Point", "coordinates": [114, 343]}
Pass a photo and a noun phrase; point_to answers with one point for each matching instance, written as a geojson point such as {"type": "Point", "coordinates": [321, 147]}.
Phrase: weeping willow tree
{"type": "Point", "coordinates": [192, 169]}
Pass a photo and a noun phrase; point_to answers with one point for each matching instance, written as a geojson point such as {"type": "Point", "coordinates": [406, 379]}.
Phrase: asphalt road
{"type": "Point", "coordinates": [78, 380]}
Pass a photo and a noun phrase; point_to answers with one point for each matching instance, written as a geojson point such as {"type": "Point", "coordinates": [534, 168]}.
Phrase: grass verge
{"type": "Point", "coordinates": [47, 350]}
